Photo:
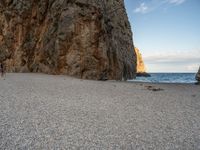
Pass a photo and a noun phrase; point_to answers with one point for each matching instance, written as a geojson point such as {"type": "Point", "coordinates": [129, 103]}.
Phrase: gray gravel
{"type": "Point", "coordinates": [40, 111]}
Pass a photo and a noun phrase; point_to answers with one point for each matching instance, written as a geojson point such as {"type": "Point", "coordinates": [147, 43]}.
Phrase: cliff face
{"type": "Point", "coordinates": [85, 38]}
{"type": "Point", "coordinates": [140, 63]}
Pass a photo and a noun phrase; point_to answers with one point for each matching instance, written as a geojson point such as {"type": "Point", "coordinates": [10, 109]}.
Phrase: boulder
{"type": "Point", "coordinates": [143, 74]}
{"type": "Point", "coordinates": [197, 77]}
{"type": "Point", "coordinates": [89, 39]}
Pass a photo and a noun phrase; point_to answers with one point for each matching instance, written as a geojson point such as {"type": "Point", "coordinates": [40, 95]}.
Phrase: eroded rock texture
{"type": "Point", "coordinates": [89, 39]}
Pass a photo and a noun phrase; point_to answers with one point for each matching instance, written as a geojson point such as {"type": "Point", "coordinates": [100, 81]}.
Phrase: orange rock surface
{"type": "Point", "coordinates": [140, 63]}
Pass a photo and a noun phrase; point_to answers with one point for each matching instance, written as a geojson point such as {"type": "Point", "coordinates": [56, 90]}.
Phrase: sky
{"type": "Point", "coordinates": [167, 32]}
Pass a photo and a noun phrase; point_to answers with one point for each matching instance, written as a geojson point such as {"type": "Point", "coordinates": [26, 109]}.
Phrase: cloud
{"type": "Point", "coordinates": [176, 2]}
{"type": "Point", "coordinates": [152, 5]}
{"type": "Point", "coordinates": [172, 59]}
{"type": "Point", "coordinates": [143, 8]}
{"type": "Point", "coordinates": [192, 67]}
{"type": "Point", "coordinates": [176, 57]}
{"type": "Point", "coordinates": [188, 61]}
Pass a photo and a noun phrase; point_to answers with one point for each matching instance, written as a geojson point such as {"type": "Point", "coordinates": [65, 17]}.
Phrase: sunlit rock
{"type": "Point", "coordinates": [141, 69]}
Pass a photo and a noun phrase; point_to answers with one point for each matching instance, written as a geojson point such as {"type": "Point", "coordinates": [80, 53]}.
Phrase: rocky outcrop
{"type": "Point", "coordinates": [141, 69]}
{"type": "Point", "coordinates": [89, 39]}
{"type": "Point", "coordinates": [197, 77]}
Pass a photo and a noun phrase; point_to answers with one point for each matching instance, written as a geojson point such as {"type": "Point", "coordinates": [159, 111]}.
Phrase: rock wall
{"type": "Point", "coordinates": [140, 63]}
{"type": "Point", "coordinates": [89, 39]}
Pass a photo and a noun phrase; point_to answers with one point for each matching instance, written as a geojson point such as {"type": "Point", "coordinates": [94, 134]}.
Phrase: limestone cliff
{"type": "Point", "coordinates": [85, 38]}
{"type": "Point", "coordinates": [141, 69]}
{"type": "Point", "coordinates": [140, 63]}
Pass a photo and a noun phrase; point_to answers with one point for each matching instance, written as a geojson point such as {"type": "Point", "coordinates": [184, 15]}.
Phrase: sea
{"type": "Point", "coordinates": [167, 78]}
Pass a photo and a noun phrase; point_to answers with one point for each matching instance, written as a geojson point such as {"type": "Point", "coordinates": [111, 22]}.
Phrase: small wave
{"type": "Point", "coordinates": [168, 78]}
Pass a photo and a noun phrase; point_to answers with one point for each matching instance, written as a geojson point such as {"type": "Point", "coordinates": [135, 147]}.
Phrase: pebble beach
{"type": "Point", "coordinates": [39, 111]}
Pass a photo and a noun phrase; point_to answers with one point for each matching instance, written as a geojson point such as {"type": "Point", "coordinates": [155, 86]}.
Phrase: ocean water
{"type": "Point", "coordinates": [168, 78]}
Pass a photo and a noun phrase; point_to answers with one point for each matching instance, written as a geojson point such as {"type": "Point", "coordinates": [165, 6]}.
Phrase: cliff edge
{"type": "Point", "coordinates": [89, 39]}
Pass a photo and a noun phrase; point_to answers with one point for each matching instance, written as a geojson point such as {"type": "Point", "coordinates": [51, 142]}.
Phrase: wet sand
{"type": "Point", "coordinates": [39, 111]}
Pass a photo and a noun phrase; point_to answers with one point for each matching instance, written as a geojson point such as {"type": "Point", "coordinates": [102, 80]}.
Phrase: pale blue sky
{"type": "Point", "coordinates": [167, 32]}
